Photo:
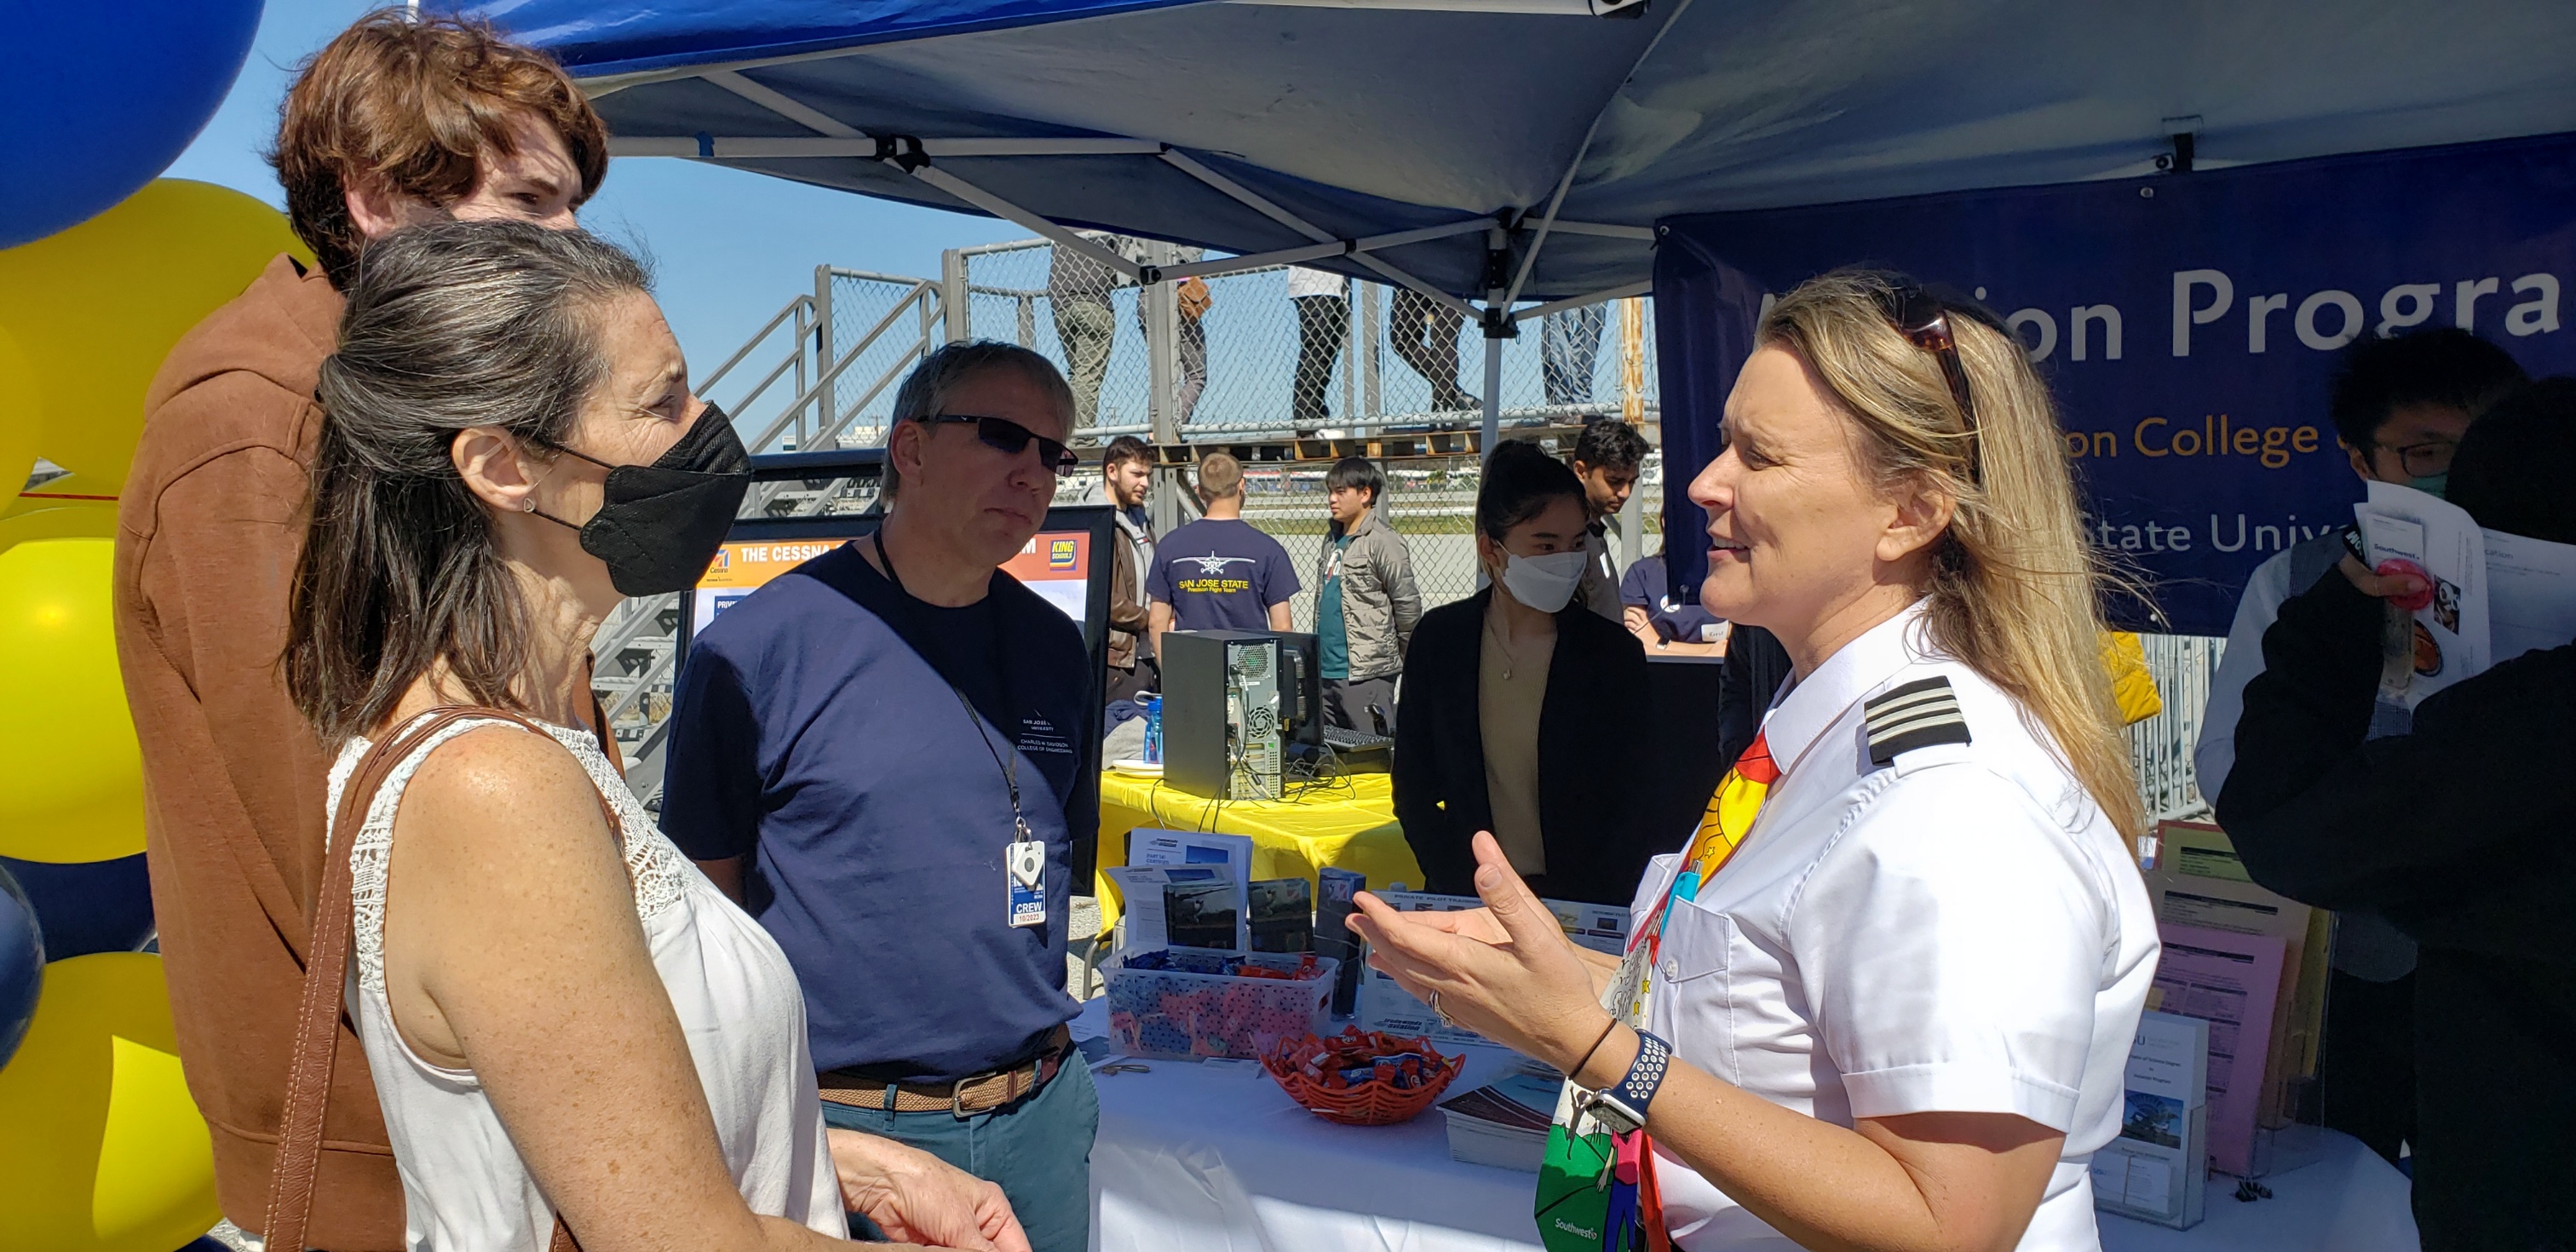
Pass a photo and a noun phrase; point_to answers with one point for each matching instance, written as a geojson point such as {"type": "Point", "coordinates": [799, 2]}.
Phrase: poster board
{"type": "Point", "coordinates": [2197, 880]}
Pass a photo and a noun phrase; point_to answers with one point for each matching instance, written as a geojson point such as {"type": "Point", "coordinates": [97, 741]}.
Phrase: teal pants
{"type": "Point", "coordinates": [1039, 1150]}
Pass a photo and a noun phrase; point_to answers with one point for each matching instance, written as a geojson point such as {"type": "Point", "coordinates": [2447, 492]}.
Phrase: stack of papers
{"type": "Point", "coordinates": [2158, 1169]}
{"type": "Point", "coordinates": [1503, 1123]}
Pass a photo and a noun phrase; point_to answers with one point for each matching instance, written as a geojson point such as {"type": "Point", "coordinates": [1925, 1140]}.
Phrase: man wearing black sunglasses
{"type": "Point", "coordinates": [879, 754]}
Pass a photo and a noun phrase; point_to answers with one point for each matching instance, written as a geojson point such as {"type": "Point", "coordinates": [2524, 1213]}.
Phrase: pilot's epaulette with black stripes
{"type": "Point", "coordinates": [1917, 715]}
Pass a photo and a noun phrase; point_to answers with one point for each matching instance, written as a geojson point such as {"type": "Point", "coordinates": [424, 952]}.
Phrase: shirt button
{"type": "Point", "coordinates": [1672, 970]}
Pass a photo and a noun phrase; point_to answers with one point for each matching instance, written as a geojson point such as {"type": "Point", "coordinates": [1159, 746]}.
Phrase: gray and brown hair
{"type": "Point", "coordinates": [448, 327]}
{"type": "Point", "coordinates": [926, 389]}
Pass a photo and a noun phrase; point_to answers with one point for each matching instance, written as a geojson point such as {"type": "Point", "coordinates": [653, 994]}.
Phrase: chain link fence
{"type": "Point", "coordinates": [1261, 359]}
{"type": "Point", "coordinates": [2161, 746]}
{"type": "Point", "coordinates": [1277, 351]}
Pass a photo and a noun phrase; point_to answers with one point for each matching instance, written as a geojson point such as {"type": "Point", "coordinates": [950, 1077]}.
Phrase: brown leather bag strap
{"type": "Point", "coordinates": [326, 972]}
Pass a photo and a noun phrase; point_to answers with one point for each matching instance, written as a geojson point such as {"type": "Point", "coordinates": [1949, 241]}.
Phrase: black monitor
{"type": "Point", "coordinates": [1301, 691]}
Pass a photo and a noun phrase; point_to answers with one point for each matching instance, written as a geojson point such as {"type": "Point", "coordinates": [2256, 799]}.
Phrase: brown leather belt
{"type": "Point", "coordinates": [966, 1097]}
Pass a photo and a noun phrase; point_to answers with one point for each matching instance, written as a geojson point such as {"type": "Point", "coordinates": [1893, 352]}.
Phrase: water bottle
{"type": "Point", "coordinates": [1153, 730]}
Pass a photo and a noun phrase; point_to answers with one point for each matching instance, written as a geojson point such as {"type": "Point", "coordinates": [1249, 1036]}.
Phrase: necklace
{"type": "Point", "coordinates": [1499, 636]}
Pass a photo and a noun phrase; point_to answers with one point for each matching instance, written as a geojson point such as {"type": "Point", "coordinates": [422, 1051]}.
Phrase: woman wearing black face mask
{"type": "Point", "coordinates": [571, 1033]}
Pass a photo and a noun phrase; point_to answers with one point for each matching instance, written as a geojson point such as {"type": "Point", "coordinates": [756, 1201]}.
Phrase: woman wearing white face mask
{"type": "Point", "coordinates": [1516, 703]}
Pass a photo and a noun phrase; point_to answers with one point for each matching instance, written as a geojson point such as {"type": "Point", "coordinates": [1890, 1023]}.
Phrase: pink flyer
{"type": "Point", "coordinates": [2230, 981]}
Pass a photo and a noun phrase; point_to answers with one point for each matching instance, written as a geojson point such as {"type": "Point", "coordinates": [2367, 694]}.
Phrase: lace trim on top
{"type": "Point", "coordinates": [653, 865]}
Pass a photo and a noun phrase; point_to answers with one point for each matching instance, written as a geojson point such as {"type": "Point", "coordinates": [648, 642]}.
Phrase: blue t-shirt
{"type": "Point", "coordinates": [1646, 587]}
{"type": "Point", "coordinates": [1332, 636]}
{"type": "Point", "coordinates": [1221, 575]}
{"type": "Point", "coordinates": [815, 727]}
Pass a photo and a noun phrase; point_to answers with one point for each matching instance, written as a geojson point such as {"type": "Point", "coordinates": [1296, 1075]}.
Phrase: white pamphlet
{"type": "Point", "coordinates": [1142, 888]}
{"type": "Point", "coordinates": [2495, 595]}
{"type": "Point", "coordinates": [2531, 594]}
{"type": "Point", "coordinates": [1232, 854]}
{"type": "Point", "coordinates": [2158, 1167]}
{"type": "Point", "coordinates": [2452, 640]}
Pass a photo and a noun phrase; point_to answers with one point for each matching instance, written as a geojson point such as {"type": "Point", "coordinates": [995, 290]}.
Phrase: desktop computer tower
{"type": "Point", "coordinates": [1222, 713]}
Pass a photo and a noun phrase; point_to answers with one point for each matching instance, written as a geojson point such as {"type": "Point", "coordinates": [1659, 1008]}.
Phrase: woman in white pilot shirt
{"type": "Point", "coordinates": [1899, 1016]}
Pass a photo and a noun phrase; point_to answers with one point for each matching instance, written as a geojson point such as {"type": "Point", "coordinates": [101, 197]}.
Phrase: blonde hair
{"type": "Point", "coordinates": [1220, 475]}
{"type": "Point", "coordinates": [2014, 589]}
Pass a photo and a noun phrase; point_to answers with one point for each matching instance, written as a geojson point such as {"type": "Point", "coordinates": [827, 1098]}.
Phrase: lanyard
{"type": "Point", "coordinates": [1010, 769]}
{"type": "Point", "coordinates": [1722, 830]}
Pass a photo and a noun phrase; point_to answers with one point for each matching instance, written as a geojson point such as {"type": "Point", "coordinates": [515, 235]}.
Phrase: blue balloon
{"type": "Point", "coordinates": [93, 906]}
{"type": "Point", "coordinates": [22, 965]}
{"type": "Point", "coordinates": [100, 98]}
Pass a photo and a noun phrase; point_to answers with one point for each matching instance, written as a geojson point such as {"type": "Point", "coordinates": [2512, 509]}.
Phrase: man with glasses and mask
{"type": "Point", "coordinates": [879, 754]}
{"type": "Point", "coordinates": [2399, 407]}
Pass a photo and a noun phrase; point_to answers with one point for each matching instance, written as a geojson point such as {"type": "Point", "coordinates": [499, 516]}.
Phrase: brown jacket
{"type": "Point", "coordinates": [1129, 614]}
{"type": "Point", "coordinates": [209, 530]}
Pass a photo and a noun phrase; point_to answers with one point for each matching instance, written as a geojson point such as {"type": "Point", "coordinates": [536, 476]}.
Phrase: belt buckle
{"type": "Point", "coordinates": [957, 1100]}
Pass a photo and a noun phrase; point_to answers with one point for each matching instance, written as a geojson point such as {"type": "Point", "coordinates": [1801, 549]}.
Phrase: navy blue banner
{"type": "Point", "coordinates": [2189, 325]}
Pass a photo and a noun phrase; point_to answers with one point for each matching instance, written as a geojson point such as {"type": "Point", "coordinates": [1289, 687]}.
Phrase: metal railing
{"type": "Point", "coordinates": [2160, 747]}
{"type": "Point", "coordinates": [1243, 357]}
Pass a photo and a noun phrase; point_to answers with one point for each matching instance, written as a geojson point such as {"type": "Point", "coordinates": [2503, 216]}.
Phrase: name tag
{"type": "Point", "coordinates": [1024, 874]}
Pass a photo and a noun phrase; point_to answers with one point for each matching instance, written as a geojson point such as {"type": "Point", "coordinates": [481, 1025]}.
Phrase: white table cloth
{"type": "Point", "coordinates": [1195, 1157]}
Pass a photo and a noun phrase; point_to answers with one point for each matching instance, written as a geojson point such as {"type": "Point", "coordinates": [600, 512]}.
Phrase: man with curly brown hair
{"type": "Point", "coordinates": [396, 121]}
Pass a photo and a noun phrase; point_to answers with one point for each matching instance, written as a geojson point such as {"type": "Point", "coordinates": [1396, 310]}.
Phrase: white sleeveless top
{"type": "Point", "coordinates": [464, 1187]}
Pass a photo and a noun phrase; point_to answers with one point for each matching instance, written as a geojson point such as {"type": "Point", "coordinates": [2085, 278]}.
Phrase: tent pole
{"type": "Point", "coordinates": [1622, 292]}
{"type": "Point", "coordinates": [1493, 392]}
{"type": "Point", "coordinates": [1565, 181]}
{"type": "Point", "coordinates": [959, 316]}
{"type": "Point", "coordinates": [1001, 208]}
{"type": "Point", "coordinates": [1261, 204]}
{"type": "Point", "coordinates": [1162, 351]}
{"type": "Point", "coordinates": [1321, 251]}
{"type": "Point", "coordinates": [824, 359]}
{"type": "Point", "coordinates": [1497, 323]}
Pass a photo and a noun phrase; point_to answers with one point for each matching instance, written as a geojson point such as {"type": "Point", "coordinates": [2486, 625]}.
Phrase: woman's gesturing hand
{"type": "Point", "coordinates": [1505, 971]}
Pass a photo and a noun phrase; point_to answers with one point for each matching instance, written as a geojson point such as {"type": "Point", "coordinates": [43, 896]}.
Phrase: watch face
{"type": "Point", "coordinates": [1603, 1109]}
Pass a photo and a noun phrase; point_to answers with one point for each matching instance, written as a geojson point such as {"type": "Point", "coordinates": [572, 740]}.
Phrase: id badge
{"type": "Point", "coordinates": [1024, 872]}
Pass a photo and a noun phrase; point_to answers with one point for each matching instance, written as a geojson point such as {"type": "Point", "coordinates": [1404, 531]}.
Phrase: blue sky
{"type": "Point", "coordinates": [730, 247]}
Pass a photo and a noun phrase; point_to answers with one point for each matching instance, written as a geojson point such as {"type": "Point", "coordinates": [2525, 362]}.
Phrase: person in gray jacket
{"type": "Point", "coordinates": [1365, 602]}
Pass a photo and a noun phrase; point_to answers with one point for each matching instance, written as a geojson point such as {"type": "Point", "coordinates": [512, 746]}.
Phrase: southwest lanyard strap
{"type": "Point", "coordinates": [1635, 1216]}
{"type": "Point", "coordinates": [1011, 768]}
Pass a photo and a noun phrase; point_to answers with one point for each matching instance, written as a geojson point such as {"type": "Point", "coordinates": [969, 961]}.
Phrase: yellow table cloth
{"type": "Point", "coordinates": [1344, 822]}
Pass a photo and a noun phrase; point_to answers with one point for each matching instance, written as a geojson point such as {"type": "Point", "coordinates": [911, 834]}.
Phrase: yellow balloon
{"type": "Point", "coordinates": [95, 308]}
{"type": "Point", "coordinates": [71, 776]}
{"type": "Point", "coordinates": [51, 517]}
{"type": "Point", "coordinates": [102, 1150]}
{"type": "Point", "coordinates": [19, 417]}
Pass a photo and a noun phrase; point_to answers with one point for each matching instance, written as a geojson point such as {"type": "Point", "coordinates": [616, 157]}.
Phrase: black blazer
{"type": "Point", "coordinates": [1592, 753]}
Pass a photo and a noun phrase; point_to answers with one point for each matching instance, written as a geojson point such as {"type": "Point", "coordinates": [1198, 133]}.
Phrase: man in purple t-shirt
{"type": "Point", "coordinates": [1218, 573]}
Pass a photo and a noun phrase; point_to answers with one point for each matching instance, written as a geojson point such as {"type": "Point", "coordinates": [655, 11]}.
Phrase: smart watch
{"type": "Point", "coordinates": [1622, 1108]}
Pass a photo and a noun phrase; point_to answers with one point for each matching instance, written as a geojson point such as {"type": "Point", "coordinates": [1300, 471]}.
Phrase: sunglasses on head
{"type": "Point", "coordinates": [1924, 320]}
{"type": "Point", "coordinates": [1005, 436]}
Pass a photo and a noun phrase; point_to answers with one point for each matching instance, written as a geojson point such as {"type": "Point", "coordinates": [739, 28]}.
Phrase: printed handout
{"type": "Point", "coordinates": [2451, 636]}
{"type": "Point", "coordinates": [2531, 594]}
{"type": "Point", "coordinates": [2231, 981]}
{"type": "Point", "coordinates": [2495, 595]}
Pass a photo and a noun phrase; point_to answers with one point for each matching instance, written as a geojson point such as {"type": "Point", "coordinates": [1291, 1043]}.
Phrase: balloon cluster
{"type": "Point", "coordinates": [102, 270]}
